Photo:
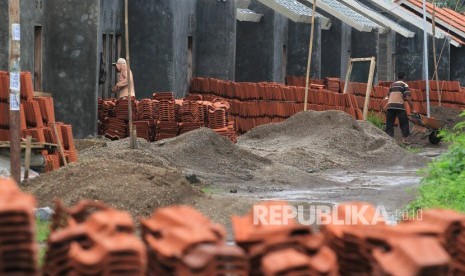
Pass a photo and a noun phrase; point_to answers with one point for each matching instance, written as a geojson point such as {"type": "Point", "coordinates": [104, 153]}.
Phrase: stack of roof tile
{"type": "Point", "coordinates": [93, 243]}
{"type": "Point", "coordinates": [253, 104]}
{"type": "Point", "coordinates": [122, 109]}
{"type": "Point", "coordinates": [27, 88]}
{"type": "Point", "coordinates": [33, 114]}
{"type": "Point", "coordinates": [18, 251]}
{"type": "Point", "coordinates": [37, 114]}
{"type": "Point", "coordinates": [116, 128]}
{"type": "Point", "coordinates": [46, 109]}
{"type": "Point", "coordinates": [68, 142]}
{"type": "Point", "coordinates": [143, 129]}
{"type": "Point", "coordinates": [164, 117]}
{"type": "Point", "coordinates": [177, 246]}
{"type": "Point", "coordinates": [165, 130]}
{"type": "Point", "coordinates": [4, 86]}
{"type": "Point", "coordinates": [284, 248]}
{"type": "Point", "coordinates": [333, 84]}
{"type": "Point", "coordinates": [165, 105]}
{"type": "Point", "coordinates": [145, 109]}
{"type": "Point", "coordinates": [106, 109]}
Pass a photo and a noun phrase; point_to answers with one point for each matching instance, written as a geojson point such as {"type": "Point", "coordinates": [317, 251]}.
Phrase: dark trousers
{"type": "Point", "coordinates": [391, 115]}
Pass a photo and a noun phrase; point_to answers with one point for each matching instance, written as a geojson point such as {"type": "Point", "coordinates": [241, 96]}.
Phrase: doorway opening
{"type": "Point", "coordinates": [189, 59]}
{"type": "Point", "coordinates": [38, 58]}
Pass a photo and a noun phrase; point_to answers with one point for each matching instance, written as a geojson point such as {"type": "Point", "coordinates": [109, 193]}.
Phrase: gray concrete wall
{"type": "Point", "coordinates": [457, 64]}
{"type": "Point", "coordinates": [71, 71]}
{"type": "Point", "coordinates": [151, 39]}
{"type": "Point", "coordinates": [443, 57]}
{"type": "Point", "coordinates": [159, 32]}
{"type": "Point", "coordinates": [110, 25]}
{"type": "Point", "coordinates": [215, 39]}
{"type": "Point", "coordinates": [334, 48]}
{"type": "Point", "coordinates": [363, 44]}
{"type": "Point", "coordinates": [299, 37]}
{"type": "Point", "coordinates": [32, 14]}
{"type": "Point", "coordinates": [184, 26]}
{"type": "Point", "coordinates": [4, 35]}
{"type": "Point", "coordinates": [259, 46]}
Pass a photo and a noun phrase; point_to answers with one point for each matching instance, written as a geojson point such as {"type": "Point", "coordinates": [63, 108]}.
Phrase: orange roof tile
{"type": "Point", "coordinates": [442, 15]}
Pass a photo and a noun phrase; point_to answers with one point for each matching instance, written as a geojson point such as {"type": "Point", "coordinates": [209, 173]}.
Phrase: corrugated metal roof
{"type": "Point", "coordinates": [347, 15]}
{"type": "Point", "coordinates": [396, 10]}
{"type": "Point", "coordinates": [296, 11]}
{"type": "Point", "coordinates": [377, 17]}
{"type": "Point", "coordinates": [248, 15]}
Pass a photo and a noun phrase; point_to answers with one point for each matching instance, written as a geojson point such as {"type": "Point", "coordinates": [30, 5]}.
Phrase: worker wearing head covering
{"type": "Point", "coordinates": [121, 87]}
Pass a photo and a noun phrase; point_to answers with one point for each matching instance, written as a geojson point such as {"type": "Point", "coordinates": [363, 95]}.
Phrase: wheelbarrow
{"type": "Point", "coordinates": [429, 126]}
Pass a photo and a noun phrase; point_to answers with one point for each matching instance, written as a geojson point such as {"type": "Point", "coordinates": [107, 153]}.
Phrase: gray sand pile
{"type": "Point", "coordinates": [137, 188]}
{"type": "Point", "coordinates": [324, 140]}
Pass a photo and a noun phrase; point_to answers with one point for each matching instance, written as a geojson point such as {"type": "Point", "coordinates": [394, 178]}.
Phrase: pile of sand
{"type": "Point", "coordinates": [449, 116]}
{"type": "Point", "coordinates": [323, 140]}
{"type": "Point", "coordinates": [125, 185]}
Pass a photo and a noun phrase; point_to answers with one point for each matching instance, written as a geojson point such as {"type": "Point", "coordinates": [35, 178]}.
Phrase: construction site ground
{"type": "Point", "coordinates": [313, 157]}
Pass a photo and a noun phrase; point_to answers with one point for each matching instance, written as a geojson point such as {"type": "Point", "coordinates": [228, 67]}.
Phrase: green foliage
{"type": "Point", "coordinates": [376, 120]}
{"type": "Point", "coordinates": [42, 230]}
{"type": "Point", "coordinates": [444, 183]}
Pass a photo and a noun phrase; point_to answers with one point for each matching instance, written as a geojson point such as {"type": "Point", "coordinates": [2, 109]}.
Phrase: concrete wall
{"type": "Point", "coordinates": [159, 32]}
{"type": "Point", "coordinates": [4, 35]}
{"type": "Point", "coordinates": [457, 64]}
{"type": "Point", "coordinates": [151, 39]}
{"type": "Point", "coordinates": [259, 46]}
{"type": "Point", "coordinates": [71, 75]}
{"type": "Point", "coordinates": [363, 44]}
{"type": "Point", "coordinates": [32, 14]}
{"type": "Point", "coordinates": [110, 26]}
{"type": "Point", "coordinates": [184, 26]}
{"type": "Point", "coordinates": [299, 37]}
{"type": "Point", "coordinates": [215, 54]}
{"type": "Point", "coordinates": [335, 47]}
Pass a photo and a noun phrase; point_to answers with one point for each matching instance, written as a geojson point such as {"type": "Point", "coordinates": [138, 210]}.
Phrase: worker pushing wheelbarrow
{"type": "Point", "coordinates": [429, 126]}
{"type": "Point", "coordinates": [400, 95]}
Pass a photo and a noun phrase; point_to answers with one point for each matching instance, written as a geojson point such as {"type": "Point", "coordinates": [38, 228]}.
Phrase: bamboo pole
{"type": "Point", "coordinates": [132, 139]}
{"type": "Point", "coordinates": [310, 50]}
{"type": "Point", "coordinates": [15, 83]}
{"type": "Point", "coordinates": [27, 157]}
{"type": "Point", "coordinates": [434, 52]}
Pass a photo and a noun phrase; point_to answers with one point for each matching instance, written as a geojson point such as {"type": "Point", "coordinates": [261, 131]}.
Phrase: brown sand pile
{"type": "Point", "coordinates": [125, 185]}
{"type": "Point", "coordinates": [449, 116]}
{"type": "Point", "coordinates": [323, 140]}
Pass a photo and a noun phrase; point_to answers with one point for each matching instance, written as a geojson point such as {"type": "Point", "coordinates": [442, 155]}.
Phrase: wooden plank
{"type": "Point", "coordinates": [27, 158]}
{"type": "Point", "coordinates": [60, 148]}
{"type": "Point", "coordinates": [369, 88]}
{"type": "Point", "coordinates": [349, 72]}
{"type": "Point", "coordinates": [42, 94]}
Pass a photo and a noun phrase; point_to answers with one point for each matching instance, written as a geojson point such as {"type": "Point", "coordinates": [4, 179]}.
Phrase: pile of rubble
{"type": "Point", "coordinates": [37, 116]}
{"type": "Point", "coordinates": [164, 117]}
{"type": "Point", "coordinates": [354, 239]}
{"type": "Point", "coordinates": [254, 104]}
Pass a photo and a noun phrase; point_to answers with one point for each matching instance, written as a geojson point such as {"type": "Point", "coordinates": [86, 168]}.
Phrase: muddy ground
{"type": "Point", "coordinates": [313, 157]}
